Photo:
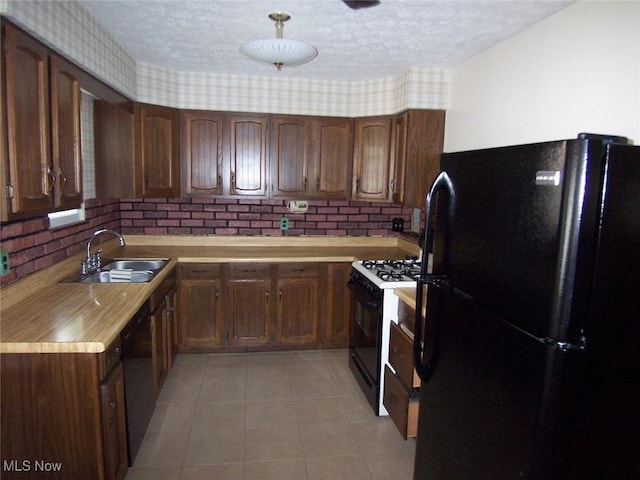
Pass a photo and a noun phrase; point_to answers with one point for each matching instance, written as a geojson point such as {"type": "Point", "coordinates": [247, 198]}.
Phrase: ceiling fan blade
{"type": "Point", "coordinates": [355, 4]}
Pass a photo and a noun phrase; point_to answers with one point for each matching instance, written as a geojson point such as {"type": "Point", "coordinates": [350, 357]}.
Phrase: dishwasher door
{"type": "Point", "coordinates": [138, 378]}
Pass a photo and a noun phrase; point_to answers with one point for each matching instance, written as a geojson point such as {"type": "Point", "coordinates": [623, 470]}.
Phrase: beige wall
{"type": "Point", "coordinates": [576, 71]}
{"type": "Point", "coordinates": [69, 29]}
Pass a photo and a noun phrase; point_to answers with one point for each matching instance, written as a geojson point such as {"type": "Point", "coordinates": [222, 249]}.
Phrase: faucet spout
{"type": "Point", "coordinates": [93, 262]}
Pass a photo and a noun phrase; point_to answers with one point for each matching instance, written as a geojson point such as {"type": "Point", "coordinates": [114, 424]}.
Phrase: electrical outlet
{"type": "Point", "coordinates": [284, 223]}
{"type": "Point", "coordinates": [5, 268]}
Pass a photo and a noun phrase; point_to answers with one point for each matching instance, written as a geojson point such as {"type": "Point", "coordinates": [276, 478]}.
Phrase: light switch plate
{"type": "Point", "coordinates": [5, 268]}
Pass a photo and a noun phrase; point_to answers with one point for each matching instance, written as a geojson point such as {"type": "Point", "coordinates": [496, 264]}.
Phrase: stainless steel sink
{"type": "Point", "coordinates": [135, 264]}
{"type": "Point", "coordinates": [122, 270]}
{"type": "Point", "coordinates": [106, 277]}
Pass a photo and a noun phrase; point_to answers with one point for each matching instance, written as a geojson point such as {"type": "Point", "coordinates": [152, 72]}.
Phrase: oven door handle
{"type": "Point", "coordinates": [362, 295]}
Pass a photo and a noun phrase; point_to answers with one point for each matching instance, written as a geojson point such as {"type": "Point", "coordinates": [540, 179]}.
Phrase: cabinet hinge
{"type": "Point", "coordinates": [10, 191]}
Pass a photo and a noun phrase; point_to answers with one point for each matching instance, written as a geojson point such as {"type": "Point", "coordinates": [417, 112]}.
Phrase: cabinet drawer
{"type": "Point", "coordinates": [199, 270]}
{"type": "Point", "coordinates": [298, 270]}
{"type": "Point", "coordinates": [401, 356]}
{"type": "Point", "coordinates": [406, 315]}
{"type": "Point", "coordinates": [402, 408]}
{"type": "Point", "coordinates": [249, 270]}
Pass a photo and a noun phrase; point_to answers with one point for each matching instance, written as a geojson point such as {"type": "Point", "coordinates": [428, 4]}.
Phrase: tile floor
{"type": "Point", "coordinates": [281, 415]}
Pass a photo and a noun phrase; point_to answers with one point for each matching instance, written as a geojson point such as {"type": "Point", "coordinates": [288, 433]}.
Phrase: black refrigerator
{"type": "Point", "coordinates": [529, 351]}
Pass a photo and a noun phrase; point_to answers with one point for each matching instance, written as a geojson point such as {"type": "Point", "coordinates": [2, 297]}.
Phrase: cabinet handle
{"type": "Point", "coordinates": [357, 185]}
{"type": "Point", "coordinates": [219, 180]}
{"type": "Point", "coordinates": [280, 296]}
{"type": "Point", "coordinates": [113, 404]}
{"type": "Point", "coordinates": [233, 180]}
{"type": "Point", "coordinates": [248, 270]}
{"type": "Point", "coordinates": [63, 178]}
{"type": "Point", "coordinates": [304, 188]}
{"type": "Point", "coordinates": [267, 295]}
{"type": "Point", "coordinates": [318, 184]}
{"type": "Point", "coordinates": [52, 177]}
{"type": "Point", "coordinates": [217, 293]}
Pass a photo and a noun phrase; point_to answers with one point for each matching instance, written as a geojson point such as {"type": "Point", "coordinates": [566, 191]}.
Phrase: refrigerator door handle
{"type": "Point", "coordinates": [442, 183]}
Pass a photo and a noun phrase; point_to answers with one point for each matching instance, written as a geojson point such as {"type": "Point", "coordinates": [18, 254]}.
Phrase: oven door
{"type": "Point", "coordinates": [364, 340]}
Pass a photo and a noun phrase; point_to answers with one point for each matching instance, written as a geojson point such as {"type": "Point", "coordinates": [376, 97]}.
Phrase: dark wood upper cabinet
{"type": "Point", "coordinates": [27, 166]}
{"type": "Point", "coordinates": [372, 158]}
{"type": "Point", "coordinates": [202, 153]}
{"type": "Point", "coordinates": [157, 146]}
{"type": "Point", "coordinates": [248, 155]}
{"type": "Point", "coordinates": [418, 142]}
{"type": "Point", "coordinates": [41, 164]}
{"type": "Point", "coordinates": [290, 156]}
{"type": "Point", "coordinates": [113, 150]}
{"type": "Point", "coordinates": [332, 157]}
{"type": "Point", "coordinates": [65, 127]}
{"type": "Point", "coordinates": [311, 157]}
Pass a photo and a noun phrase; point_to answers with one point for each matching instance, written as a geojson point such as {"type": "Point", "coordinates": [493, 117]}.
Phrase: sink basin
{"type": "Point", "coordinates": [105, 277]}
{"type": "Point", "coordinates": [129, 270]}
{"type": "Point", "coordinates": [135, 264]}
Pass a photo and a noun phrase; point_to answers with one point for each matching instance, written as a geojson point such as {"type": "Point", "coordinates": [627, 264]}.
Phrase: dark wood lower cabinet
{"type": "Point", "coordinates": [336, 305]}
{"type": "Point", "coordinates": [260, 306]}
{"type": "Point", "coordinates": [114, 427]}
{"type": "Point", "coordinates": [62, 416]}
{"type": "Point", "coordinates": [297, 317]}
{"type": "Point", "coordinates": [248, 316]}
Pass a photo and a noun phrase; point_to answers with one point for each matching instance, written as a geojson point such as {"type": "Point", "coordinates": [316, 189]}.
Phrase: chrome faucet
{"type": "Point", "coordinates": [94, 262]}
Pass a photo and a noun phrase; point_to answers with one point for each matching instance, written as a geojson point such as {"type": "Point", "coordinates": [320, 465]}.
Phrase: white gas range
{"type": "Point", "coordinates": [375, 306]}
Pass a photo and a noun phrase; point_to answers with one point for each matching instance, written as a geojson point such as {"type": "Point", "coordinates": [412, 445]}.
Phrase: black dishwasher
{"type": "Point", "coordinates": [139, 389]}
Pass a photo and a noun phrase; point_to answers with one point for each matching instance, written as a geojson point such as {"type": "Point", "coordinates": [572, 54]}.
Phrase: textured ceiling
{"type": "Point", "coordinates": [205, 35]}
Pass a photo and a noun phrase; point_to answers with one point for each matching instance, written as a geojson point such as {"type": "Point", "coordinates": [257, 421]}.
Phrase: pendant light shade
{"type": "Point", "coordinates": [279, 51]}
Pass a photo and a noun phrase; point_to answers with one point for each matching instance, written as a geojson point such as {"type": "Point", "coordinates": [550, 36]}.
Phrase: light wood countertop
{"type": "Point", "coordinates": [38, 314]}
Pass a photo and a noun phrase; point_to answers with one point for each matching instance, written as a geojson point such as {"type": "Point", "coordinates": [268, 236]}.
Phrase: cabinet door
{"type": "Point", "coordinates": [248, 155]}
{"type": "Point", "coordinates": [200, 313]}
{"type": "Point", "coordinates": [400, 157]}
{"type": "Point", "coordinates": [202, 153]}
{"type": "Point", "coordinates": [27, 167]}
{"type": "Point", "coordinates": [419, 137]}
{"type": "Point", "coordinates": [289, 156]}
{"type": "Point", "coordinates": [65, 132]}
{"type": "Point", "coordinates": [372, 158]}
{"type": "Point", "coordinates": [248, 313]}
{"type": "Point", "coordinates": [114, 427]}
{"type": "Point", "coordinates": [158, 342]}
{"type": "Point", "coordinates": [297, 319]}
{"type": "Point", "coordinates": [336, 317]}
{"type": "Point", "coordinates": [157, 150]}
{"type": "Point", "coordinates": [113, 150]}
{"type": "Point", "coordinates": [332, 157]}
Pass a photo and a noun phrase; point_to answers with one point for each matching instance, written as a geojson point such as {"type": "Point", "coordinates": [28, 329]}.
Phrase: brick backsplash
{"type": "Point", "coordinates": [32, 246]}
{"type": "Point", "coordinates": [210, 216]}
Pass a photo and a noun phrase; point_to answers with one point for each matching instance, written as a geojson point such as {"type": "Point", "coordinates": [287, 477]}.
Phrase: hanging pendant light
{"type": "Point", "coordinates": [279, 51]}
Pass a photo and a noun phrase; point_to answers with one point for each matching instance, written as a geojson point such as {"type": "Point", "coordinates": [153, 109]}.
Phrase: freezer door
{"type": "Point", "coordinates": [491, 406]}
{"type": "Point", "coordinates": [511, 241]}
